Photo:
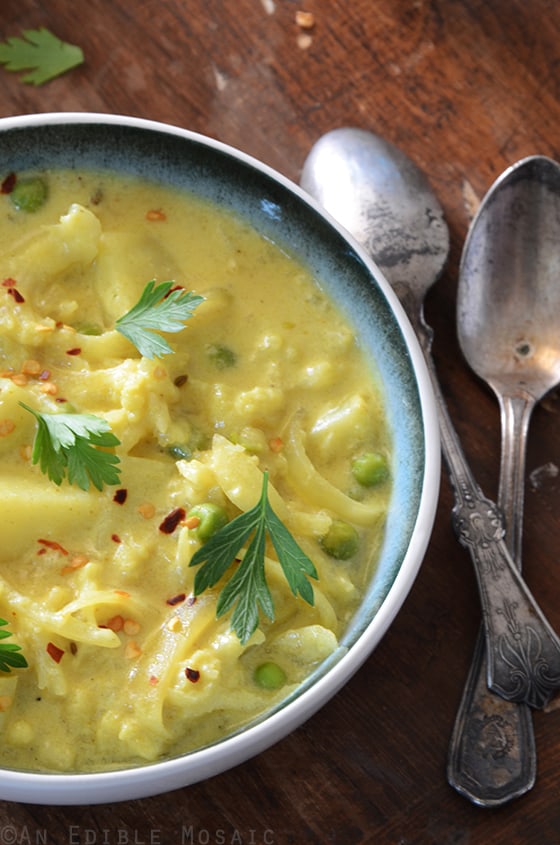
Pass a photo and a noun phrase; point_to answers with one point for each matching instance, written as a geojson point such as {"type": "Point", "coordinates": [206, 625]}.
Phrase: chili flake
{"type": "Point", "coordinates": [115, 623]}
{"type": "Point", "coordinates": [31, 368]}
{"type": "Point", "coordinates": [76, 562]}
{"type": "Point", "coordinates": [8, 184]}
{"type": "Point", "coordinates": [132, 650]}
{"type": "Point", "coordinates": [181, 380]}
{"type": "Point", "coordinates": [155, 214]}
{"type": "Point", "coordinates": [76, 350]}
{"type": "Point", "coordinates": [178, 599]}
{"type": "Point", "coordinates": [115, 538]}
{"type": "Point", "coordinates": [147, 509]}
{"type": "Point", "coordinates": [49, 387]}
{"type": "Point", "coordinates": [193, 675]}
{"type": "Point", "coordinates": [131, 627]}
{"type": "Point", "coordinates": [120, 496]}
{"type": "Point", "coordinates": [172, 520]}
{"type": "Point", "coordinates": [55, 652]}
{"type": "Point", "coordinates": [18, 297]}
{"type": "Point", "coordinates": [52, 544]}
{"type": "Point", "coordinates": [6, 427]}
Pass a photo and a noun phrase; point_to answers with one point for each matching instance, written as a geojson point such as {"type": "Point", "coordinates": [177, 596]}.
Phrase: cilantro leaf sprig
{"type": "Point", "coordinates": [67, 445]}
{"type": "Point", "coordinates": [10, 653]}
{"type": "Point", "coordinates": [247, 588]}
{"type": "Point", "coordinates": [161, 307]}
{"type": "Point", "coordinates": [41, 53]}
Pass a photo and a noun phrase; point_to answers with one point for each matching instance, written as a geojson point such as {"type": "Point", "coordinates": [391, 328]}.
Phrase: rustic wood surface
{"type": "Point", "coordinates": [465, 87]}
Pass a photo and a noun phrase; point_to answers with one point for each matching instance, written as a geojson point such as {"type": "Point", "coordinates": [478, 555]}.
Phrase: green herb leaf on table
{"type": "Point", "coordinates": [10, 656]}
{"type": "Point", "coordinates": [247, 588]}
{"type": "Point", "coordinates": [161, 307]}
{"type": "Point", "coordinates": [41, 53]}
{"type": "Point", "coordinates": [67, 445]}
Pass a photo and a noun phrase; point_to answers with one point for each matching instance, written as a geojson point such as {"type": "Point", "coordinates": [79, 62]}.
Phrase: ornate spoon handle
{"type": "Point", "coordinates": [523, 652]}
{"type": "Point", "coordinates": [492, 754]}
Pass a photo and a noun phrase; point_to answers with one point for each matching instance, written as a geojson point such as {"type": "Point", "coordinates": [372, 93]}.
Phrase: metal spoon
{"type": "Point", "coordinates": [380, 196]}
{"type": "Point", "coordinates": [508, 319]}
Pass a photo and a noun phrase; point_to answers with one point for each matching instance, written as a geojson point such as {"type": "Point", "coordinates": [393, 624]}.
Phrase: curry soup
{"type": "Point", "coordinates": [125, 664]}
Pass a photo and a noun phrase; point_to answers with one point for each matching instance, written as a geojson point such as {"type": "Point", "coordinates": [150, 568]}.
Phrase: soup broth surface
{"type": "Point", "coordinates": [125, 665]}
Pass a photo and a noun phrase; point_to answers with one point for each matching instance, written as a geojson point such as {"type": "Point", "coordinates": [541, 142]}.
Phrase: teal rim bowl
{"type": "Point", "coordinates": [281, 211]}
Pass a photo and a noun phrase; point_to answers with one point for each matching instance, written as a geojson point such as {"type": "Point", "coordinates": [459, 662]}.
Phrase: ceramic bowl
{"type": "Point", "coordinates": [283, 212]}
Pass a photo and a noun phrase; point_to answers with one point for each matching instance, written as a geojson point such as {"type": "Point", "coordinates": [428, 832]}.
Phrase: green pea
{"type": "Point", "coordinates": [29, 194]}
{"type": "Point", "coordinates": [221, 356]}
{"type": "Point", "coordinates": [179, 452]}
{"type": "Point", "coordinates": [269, 676]}
{"type": "Point", "coordinates": [370, 469]}
{"type": "Point", "coordinates": [341, 541]}
{"type": "Point", "coordinates": [212, 518]}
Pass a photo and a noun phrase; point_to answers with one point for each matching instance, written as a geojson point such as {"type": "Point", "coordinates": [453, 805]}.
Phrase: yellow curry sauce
{"type": "Point", "coordinates": [124, 664]}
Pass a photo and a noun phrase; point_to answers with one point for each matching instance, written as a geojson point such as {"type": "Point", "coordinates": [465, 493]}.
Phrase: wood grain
{"type": "Point", "coordinates": [465, 87]}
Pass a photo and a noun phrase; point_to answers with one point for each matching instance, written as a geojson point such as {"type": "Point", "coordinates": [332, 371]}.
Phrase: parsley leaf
{"type": "Point", "coordinates": [40, 52]}
{"type": "Point", "coordinates": [9, 656]}
{"type": "Point", "coordinates": [247, 588]}
{"type": "Point", "coordinates": [159, 309]}
{"type": "Point", "coordinates": [66, 444]}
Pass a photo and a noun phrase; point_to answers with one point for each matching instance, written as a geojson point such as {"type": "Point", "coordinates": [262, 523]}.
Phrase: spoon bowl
{"type": "Point", "coordinates": [509, 289]}
{"type": "Point", "coordinates": [373, 189]}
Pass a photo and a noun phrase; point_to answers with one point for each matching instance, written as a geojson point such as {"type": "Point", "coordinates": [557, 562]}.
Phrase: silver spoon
{"type": "Point", "coordinates": [508, 319]}
{"type": "Point", "coordinates": [381, 197]}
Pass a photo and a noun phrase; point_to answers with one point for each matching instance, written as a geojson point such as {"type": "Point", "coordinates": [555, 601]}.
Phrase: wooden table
{"type": "Point", "coordinates": [465, 87]}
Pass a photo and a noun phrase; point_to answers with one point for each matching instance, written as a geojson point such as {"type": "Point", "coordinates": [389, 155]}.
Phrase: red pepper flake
{"type": "Point", "coordinates": [120, 496]}
{"type": "Point", "coordinates": [61, 399]}
{"type": "Point", "coordinates": [172, 520]}
{"type": "Point", "coordinates": [156, 214]}
{"type": "Point", "coordinates": [178, 599]}
{"type": "Point", "coordinates": [115, 623]}
{"type": "Point", "coordinates": [154, 681]}
{"type": "Point", "coordinates": [181, 380]}
{"type": "Point", "coordinates": [42, 552]}
{"type": "Point", "coordinates": [8, 184]}
{"type": "Point", "coordinates": [16, 294]}
{"type": "Point", "coordinates": [51, 544]}
{"type": "Point", "coordinates": [193, 675]}
{"type": "Point", "coordinates": [9, 283]}
{"type": "Point", "coordinates": [55, 652]}
{"type": "Point", "coordinates": [76, 350]}
{"type": "Point", "coordinates": [115, 538]}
